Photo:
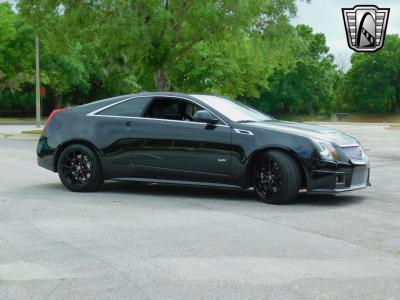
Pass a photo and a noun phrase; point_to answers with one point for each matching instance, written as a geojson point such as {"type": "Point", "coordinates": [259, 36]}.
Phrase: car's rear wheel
{"type": "Point", "coordinates": [276, 177]}
{"type": "Point", "coordinates": [79, 169]}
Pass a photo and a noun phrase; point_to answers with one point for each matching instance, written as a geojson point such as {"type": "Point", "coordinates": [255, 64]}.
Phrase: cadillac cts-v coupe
{"type": "Point", "coordinates": [175, 138]}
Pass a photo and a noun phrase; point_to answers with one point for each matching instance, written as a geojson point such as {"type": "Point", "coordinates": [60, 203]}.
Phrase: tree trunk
{"type": "Point", "coordinates": [310, 108]}
{"type": "Point", "coordinates": [161, 79]}
{"type": "Point", "coordinates": [58, 103]}
{"type": "Point", "coordinates": [397, 104]}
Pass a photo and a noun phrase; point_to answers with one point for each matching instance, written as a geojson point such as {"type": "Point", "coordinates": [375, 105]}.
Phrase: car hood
{"type": "Point", "coordinates": [307, 130]}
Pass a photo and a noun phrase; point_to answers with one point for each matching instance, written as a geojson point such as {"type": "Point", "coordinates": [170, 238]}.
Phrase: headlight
{"type": "Point", "coordinates": [354, 152]}
{"type": "Point", "coordinates": [326, 150]}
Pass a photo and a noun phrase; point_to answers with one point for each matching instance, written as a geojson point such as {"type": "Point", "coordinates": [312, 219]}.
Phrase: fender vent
{"type": "Point", "coordinates": [242, 131]}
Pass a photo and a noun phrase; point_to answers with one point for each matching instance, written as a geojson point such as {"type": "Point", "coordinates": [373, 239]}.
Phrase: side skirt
{"type": "Point", "coordinates": [178, 182]}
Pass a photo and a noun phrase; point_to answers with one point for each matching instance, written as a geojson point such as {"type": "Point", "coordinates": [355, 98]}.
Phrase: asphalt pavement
{"type": "Point", "coordinates": [136, 241]}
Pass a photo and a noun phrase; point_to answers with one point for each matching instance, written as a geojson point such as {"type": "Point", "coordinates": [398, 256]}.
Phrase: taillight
{"type": "Point", "coordinates": [53, 113]}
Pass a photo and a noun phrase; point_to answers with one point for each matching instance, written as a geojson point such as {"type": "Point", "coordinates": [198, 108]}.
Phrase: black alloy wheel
{"type": "Point", "coordinates": [79, 169]}
{"type": "Point", "coordinates": [276, 177]}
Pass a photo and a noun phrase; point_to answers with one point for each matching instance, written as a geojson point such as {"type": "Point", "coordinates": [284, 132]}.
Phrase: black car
{"type": "Point", "coordinates": [198, 140]}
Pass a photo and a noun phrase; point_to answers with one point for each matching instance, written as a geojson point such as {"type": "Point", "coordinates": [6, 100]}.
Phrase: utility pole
{"type": "Point", "coordinates": [37, 76]}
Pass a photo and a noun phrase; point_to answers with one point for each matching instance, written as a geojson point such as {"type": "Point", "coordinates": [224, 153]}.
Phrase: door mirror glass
{"type": "Point", "coordinates": [204, 116]}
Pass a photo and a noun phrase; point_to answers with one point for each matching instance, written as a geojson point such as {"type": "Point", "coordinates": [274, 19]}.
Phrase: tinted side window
{"type": "Point", "coordinates": [172, 109]}
{"type": "Point", "coordinates": [129, 108]}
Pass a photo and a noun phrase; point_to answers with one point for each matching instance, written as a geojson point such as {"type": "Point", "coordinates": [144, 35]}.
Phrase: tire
{"type": "Point", "coordinates": [276, 177]}
{"type": "Point", "coordinates": [79, 169]}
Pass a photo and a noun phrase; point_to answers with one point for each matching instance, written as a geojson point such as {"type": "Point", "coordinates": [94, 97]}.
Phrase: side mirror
{"type": "Point", "coordinates": [204, 116]}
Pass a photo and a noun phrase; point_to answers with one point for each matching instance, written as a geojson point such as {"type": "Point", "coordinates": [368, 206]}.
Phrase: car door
{"type": "Point", "coordinates": [171, 147]}
{"type": "Point", "coordinates": [113, 137]}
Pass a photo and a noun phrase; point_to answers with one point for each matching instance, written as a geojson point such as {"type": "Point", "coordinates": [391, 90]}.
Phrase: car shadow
{"type": "Point", "coordinates": [179, 191]}
{"type": "Point", "coordinates": [225, 194]}
{"type": "Point", "coordinates": [220, 194]}
{"type": "Point", "coordinates": [328, 200]}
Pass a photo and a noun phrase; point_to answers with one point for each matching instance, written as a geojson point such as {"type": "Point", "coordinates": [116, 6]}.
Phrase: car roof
{"type": "Point", "coordinates": [165, 94]}
{"type": "Point", "coordinates": [92, 106]}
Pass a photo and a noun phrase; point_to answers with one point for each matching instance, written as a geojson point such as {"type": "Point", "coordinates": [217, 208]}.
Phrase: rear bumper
{"type": "Point", "coordinates": [45, 163]}
{"type": "Point", "coordinates": [345, 179]}
{"type": "Point", "coordinates": [45, 155]}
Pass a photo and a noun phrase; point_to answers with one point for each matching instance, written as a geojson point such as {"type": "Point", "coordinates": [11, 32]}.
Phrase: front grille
{"type": "Point", "coordinates": [353, 152]}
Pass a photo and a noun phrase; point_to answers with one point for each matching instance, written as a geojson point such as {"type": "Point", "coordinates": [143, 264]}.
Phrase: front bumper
{"type": "Point", "coordinates": [344, 179]}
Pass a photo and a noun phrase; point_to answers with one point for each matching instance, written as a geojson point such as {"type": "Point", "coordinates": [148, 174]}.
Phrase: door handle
{"type": "Point", "coordinates": [128, 126]}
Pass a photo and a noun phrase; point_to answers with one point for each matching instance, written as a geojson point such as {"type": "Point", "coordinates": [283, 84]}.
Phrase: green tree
{"type": "Point", "coordinates": [307, 84]}
{"type": "Point", "coordinates": [64, 73]}
{"type": "Point", "coordinates": [63, 68]}
{"type": "Point", "coordinates": [224, 46]}
{"type": "Point", "coordinates": [373, 82]}
{"type": "Point", "coordinates": [16, 50]}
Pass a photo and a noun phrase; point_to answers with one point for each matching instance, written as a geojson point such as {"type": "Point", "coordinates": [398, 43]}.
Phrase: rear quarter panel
{"type": "Point", "coordinates": [108, 137]}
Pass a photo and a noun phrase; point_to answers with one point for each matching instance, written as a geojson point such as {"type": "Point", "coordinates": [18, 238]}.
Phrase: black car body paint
{"type": "Point", "coordinates": [160, 150]}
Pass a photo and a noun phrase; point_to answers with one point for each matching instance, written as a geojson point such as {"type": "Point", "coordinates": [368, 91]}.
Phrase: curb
{"type": "Point", "coordinates": [392, 128]}
{"type": "Point", "coordinates": [28, 137]}
{"type": "Point", "coordinates": [17, 123]}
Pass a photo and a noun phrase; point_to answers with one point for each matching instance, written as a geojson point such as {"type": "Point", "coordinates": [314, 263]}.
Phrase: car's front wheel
{"type": "Point", "coordinates": [79, 169]}
{"type": "Point", "coordinates": [276, 177]}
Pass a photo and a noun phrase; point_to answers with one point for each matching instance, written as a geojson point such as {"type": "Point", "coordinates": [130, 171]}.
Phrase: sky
{"type": "Point", "coordinates": [325, 16]}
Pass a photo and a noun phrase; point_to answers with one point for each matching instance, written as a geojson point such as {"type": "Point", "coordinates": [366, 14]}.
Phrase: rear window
{"type": "Point", "coordinates": [130, 108]}
{"type": "Point", "coordinates": [95, 105]}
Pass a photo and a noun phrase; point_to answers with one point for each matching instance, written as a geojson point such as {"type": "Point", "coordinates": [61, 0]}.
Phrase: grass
{"type": "Point", "coordinates": [362, 118]}
{"type": "Point", "coordinates": [301, 118]}
{"type": "Point", "coordinates": [19, 121]}
{"type": "Point", "coordinates": [374, 118]}
{"type": "Point", "coordinates": [35, 131]}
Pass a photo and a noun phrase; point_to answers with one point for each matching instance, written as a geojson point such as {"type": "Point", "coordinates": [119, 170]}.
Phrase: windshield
{"type": "Point", "coordinates": [234, 110]}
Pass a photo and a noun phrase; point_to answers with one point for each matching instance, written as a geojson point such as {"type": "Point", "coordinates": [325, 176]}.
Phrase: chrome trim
{"type": "Point", "coordinates": [167, 120]}
{"type": "Point", "coordinates": [349, 145]}
{"type": "Point", "coordinates": [243, 131]}
{"type": "Point", "coordinates": [95, 113]}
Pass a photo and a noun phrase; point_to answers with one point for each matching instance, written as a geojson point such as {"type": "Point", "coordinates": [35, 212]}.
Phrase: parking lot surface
{"type": "Point", "coordinates": [135, 241]}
